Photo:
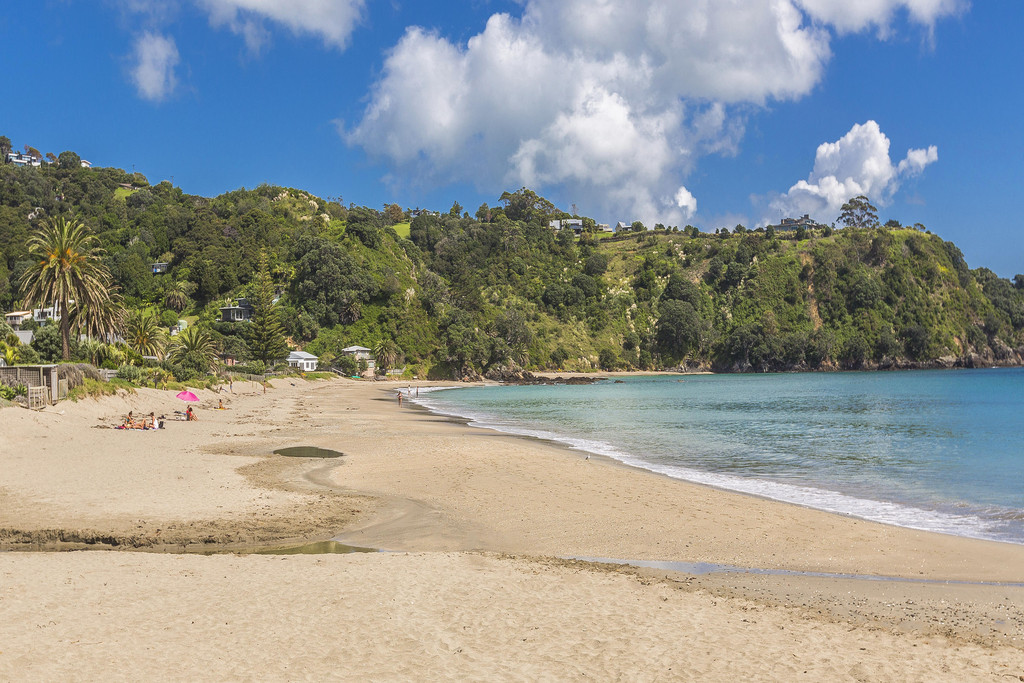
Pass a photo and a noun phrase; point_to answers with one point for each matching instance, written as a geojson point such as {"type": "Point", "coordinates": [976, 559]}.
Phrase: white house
{"type": "Point", "coordinates": [19, 159]}
{"type": "Point", "coordinates": [574, 224]}
{"type": "Point", "coordinates": [302, 360]}
{"type": "Point", "coordinates": [44, 315]}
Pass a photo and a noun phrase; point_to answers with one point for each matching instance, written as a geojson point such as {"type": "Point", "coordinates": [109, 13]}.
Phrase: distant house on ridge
{"type": "Point", "coordinates": [19, 159]}
{"type": "Point", "coordinates": [574, 224]}
{"type": "Point", "coordinates": [804, 221]}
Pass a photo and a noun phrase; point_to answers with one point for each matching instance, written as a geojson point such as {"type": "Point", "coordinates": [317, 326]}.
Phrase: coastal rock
{"type": "Point", "coordinates": [516, 375]}
{"type": "Point", "coordinates": [510, 374]}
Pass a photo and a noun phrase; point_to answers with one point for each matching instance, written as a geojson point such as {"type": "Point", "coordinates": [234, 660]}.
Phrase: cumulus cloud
{"type": "Point", "coordinates": [330, 20]}
{"type": "Point", "coordinates": [686, 201]}
{"type": "Point", "coordinates": [856, 16]}
{"type": "Point", "coordinates": [856, 164]}
{"type": "Point", "coordinates": [155, 57]}
{"type": "Point", "coordinates": [612, 101]}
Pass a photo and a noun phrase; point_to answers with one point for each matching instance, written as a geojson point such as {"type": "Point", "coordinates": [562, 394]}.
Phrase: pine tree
{"type": "Point", "coordinates": [265, 333]}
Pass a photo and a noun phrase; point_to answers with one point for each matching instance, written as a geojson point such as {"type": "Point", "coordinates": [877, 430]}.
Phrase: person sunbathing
{"type": "Point", "coordinates": [190, 415]}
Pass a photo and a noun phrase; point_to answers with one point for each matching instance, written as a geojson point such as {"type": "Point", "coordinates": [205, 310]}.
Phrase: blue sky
{"type": "Point", "coordinates": [737, 111]}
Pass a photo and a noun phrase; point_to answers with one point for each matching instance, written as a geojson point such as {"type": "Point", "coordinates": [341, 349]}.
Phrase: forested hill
{"type": "Point", "coordinates": [461, 295]}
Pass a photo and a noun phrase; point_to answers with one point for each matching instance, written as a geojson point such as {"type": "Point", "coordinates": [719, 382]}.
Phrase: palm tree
{"type": "Point", "coordinates": [103, 321]}
{"type": "Point", "coordinates": [386, 352]}
{"type": "Point", "coordinates": [176, 297]}
{"type": "Point", "coordinates": [111, 352]}
{"type": "Point", "coordinates": [144, 334]}
{"type": "Point", "coordinates": [66, 270]}
{"type": "Point", "coordinates": [194, 348]}
{"type": "Point", "coordinates": [92, 348]}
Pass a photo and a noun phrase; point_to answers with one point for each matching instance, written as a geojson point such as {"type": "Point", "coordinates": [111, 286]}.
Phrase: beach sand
{"type": "Point", "coordinates": [473, 587]}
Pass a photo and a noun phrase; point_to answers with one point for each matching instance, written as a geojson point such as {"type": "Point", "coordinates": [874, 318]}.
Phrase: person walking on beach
{"type": "Point", "coordinates": [399, 398]}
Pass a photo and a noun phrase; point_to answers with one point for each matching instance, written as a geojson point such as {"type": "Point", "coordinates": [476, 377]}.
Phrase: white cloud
{"type": "Point", "coordinates": [686, 201]}
{"type": "Point", "coordinates": [860, 14]}
{"type": "Point", "coordinates": [612, 101]}
{"type": "Point", "coordinates": [155, 57]}
{"type": "Point", "coordinates": [856, 164]}
{"type": "Point", "coordinates": [331, 20]}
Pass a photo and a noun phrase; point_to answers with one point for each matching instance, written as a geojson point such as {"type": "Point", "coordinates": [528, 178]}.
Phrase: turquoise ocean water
{"type": "Point", "coordinates": [935, 450]}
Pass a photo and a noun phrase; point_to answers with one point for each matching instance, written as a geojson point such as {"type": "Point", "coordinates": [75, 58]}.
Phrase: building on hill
{"type": "Point", "coordinates": [574, 224]}
{"type": "Point", "coordinates": [241, 312]}
{"type": "Point", "coordinates": [16, 318]}
{"type": "Point", "coordinates": [45, 315]}
{"type": "Point", "coordinates": [21, 159]}
{"type": "Point", "coordinates": [85, 163]}
{"type": "Point", "coordinates": [804, 221]}
{"type": "Point", "coordinates": [159, 267]}
{"type": "Point", "coordinates": [306, 362]}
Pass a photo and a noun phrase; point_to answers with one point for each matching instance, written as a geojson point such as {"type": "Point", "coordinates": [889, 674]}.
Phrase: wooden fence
{"type": "Point", "coordinates": [37, 397]}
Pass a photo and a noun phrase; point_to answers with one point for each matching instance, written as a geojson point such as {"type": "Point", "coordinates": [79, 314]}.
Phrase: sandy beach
{"type": "Point", "coordinates": [475, 584]}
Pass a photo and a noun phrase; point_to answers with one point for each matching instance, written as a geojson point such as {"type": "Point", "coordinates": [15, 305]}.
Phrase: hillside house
{"type": "Point", "coordinates": [240, 312]}
{"type": "Point", "coordinates": [361, 353]}
{"type": "Point", "coordinates": [804, 221]}
{"type": "Point", "coordinates": [306, 362]}
{"type": "Point", "coordinates": [16, 318]}
{"type": "Point", "coordinates": [45, 315]}
{"type": "Point", "coordinates": [574, 224]}
{"type": "Point", "coordinates": [20, 159]}
{"type": "Point", "coordinates": [159, 267]}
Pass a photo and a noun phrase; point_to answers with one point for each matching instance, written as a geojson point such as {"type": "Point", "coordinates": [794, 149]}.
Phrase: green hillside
{"type": "Point", "coordinates": [461, 295]}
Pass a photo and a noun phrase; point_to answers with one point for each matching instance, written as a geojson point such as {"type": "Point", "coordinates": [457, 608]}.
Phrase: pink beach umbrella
{"type": "Point", "coordinates": [187, 396]}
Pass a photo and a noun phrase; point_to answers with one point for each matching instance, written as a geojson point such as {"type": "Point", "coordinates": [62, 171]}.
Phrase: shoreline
{"type": "Point", "coordinates": [630, 461]}
{"type": "Point", "coordinates": [655, 483]}
{"type": "Point", "coordinates": [476, 520]}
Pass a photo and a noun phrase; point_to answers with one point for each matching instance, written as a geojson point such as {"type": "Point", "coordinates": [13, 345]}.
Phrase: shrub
{"type": "Point", "coordinates": [130, 373]}
{"type": "Point", "coordinates": [608, 359]}
{"type": "Point", "coordinates": [347, 364]}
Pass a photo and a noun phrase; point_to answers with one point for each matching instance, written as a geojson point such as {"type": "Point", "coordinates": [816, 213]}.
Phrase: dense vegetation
{"type": "Point", "coordinates": [465, 294]}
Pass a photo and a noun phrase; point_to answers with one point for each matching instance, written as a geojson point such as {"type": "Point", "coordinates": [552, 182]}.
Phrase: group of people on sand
{"type": "Point", "coordinates": [151, 421]}
{"type": "Point", "coordinates": [146, 422]}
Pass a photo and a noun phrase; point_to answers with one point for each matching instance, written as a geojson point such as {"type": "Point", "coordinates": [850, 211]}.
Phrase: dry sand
{"type": "Point", "coordinates": [473, 590]}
